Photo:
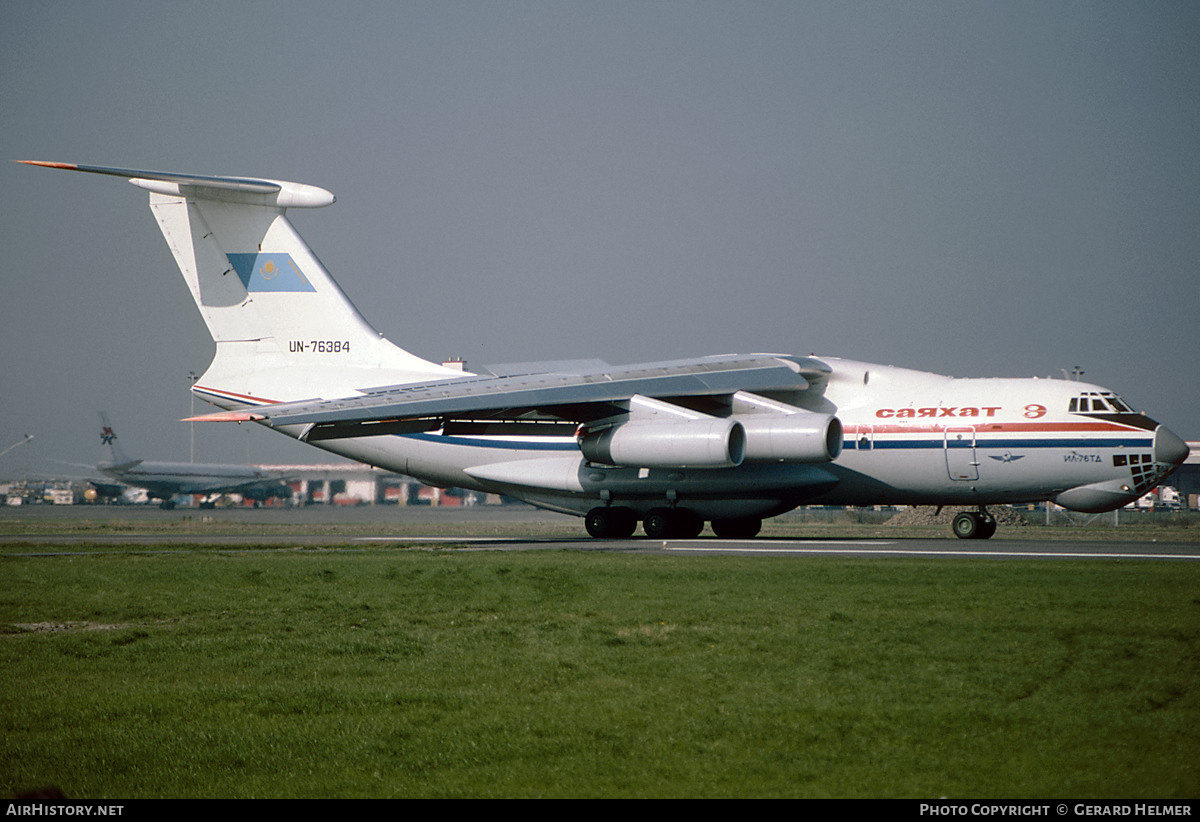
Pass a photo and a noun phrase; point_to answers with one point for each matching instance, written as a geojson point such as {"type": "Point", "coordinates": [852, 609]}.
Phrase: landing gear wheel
{"type": "Point", "coordinates": [688, 524]}
{"type": "Point", "coordinates": [672, 523]}
{"type": "Point", "coordinates": [657, 522]}
{"type": "Point", "coordinates": [610, 523]}
{"type": "Point", "coordinates": [966, 526]}
{"type": "Point", "coordinates": [974, 525]}
{"type": "Point", "coordinates": [741, 528]}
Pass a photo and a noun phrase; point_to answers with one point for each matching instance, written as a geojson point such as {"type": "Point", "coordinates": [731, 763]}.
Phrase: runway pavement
{"type": "Point", "coordinates": [55, 529]}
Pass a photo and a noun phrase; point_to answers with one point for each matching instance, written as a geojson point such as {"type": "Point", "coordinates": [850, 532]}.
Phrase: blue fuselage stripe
{"type": "Point", "coordinates": [568, 445]}
{"type": "Point", "coordinates": [879, 444]}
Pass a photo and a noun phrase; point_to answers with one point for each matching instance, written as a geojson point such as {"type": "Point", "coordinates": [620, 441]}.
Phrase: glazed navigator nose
{"type": "Point", "coordinates": [1169, 448]}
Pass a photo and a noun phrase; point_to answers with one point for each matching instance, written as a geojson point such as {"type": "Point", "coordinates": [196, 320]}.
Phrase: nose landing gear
{"type": "Point", "coordinates": [974, 524]}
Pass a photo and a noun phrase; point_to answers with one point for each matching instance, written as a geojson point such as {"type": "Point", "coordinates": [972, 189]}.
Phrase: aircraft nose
{"type": "Point", "coordinates": [1169, 448]}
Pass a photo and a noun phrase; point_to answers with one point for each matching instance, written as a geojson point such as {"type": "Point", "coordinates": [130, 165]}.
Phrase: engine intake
{"type": "Point", "coordinates": [704, 443]}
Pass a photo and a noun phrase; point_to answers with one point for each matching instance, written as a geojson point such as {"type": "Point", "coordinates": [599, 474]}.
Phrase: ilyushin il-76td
{"type": "Point", "coordinates": [725, 440]}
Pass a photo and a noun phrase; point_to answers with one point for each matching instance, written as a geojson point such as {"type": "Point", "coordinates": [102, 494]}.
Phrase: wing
{"type": "Point", "coordinates": [546, 399]}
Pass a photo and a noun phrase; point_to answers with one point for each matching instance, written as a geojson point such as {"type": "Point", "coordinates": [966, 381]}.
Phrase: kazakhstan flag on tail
{"type": "Point", "coordinates": [269, 271]}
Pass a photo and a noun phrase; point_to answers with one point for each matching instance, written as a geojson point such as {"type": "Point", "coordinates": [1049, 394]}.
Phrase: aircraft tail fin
{"type": "Point", "coordinates": [283, 328]}
{"type": "Point", "coordinates": [108, 437]}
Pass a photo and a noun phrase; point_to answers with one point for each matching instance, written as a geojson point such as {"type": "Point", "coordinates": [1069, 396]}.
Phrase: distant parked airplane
{"type": "Point", "coordinates": [166, 480]}
{"type": "Point", "coordinates": [726, 439]}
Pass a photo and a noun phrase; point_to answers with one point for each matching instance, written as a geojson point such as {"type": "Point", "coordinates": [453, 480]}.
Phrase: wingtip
{"type": "Point", "coordinates": [48, 164]}
{"type": "Point", "coordinates": [227, 416]}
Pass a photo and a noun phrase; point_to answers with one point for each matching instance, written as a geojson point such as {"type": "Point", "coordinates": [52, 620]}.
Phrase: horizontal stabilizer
{"type": "Point", "coordinates": [249, 190]}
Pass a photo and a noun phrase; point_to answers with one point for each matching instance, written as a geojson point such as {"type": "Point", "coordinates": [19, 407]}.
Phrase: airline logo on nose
{"type": "Point", "coordinates": [269, 271]}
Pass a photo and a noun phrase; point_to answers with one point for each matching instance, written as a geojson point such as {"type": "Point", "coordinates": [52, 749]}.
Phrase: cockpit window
{"type": "Point", "coordinates": [1104, 403]}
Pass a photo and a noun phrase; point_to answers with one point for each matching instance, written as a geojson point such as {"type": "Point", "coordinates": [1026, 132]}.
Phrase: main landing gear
{"type": "Point", "coordinates": [610, 523]}
{"type": "Point", "coordinates": [974, 524]}
{"type": "Point", "coordinates": [664, 523]}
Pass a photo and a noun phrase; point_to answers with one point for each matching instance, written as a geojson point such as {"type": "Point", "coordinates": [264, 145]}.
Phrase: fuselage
{"type": "Point", "coordinates": [910, 437]}
{"type": "Point", "coordinates": [164, 480]}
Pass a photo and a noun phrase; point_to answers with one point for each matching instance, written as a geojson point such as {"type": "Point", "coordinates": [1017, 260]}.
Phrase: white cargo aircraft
{"type": "Point", "coordinates": [727, 440]}
{"type": "Point", "coordinates": [166, 480]}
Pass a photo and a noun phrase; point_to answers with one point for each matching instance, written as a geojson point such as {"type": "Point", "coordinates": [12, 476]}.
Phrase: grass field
{"type": "Point", "coordinates": [415, 673]}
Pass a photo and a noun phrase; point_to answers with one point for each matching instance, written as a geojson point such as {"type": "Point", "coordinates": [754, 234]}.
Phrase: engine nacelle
{"type": "Point", "coordinates": [803, 437]}
{"type": "Point", "coordinates": [704, 443]}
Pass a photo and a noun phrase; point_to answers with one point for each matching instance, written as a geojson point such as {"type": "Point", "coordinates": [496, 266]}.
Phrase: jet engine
{"type": "Point", "coordinates": [699, 443]}
{"type": "Point", "coordinates": [801, 437]}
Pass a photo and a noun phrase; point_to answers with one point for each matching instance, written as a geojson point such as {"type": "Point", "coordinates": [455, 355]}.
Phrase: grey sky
{"type": "Point", "coordinates": [972, 188]}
